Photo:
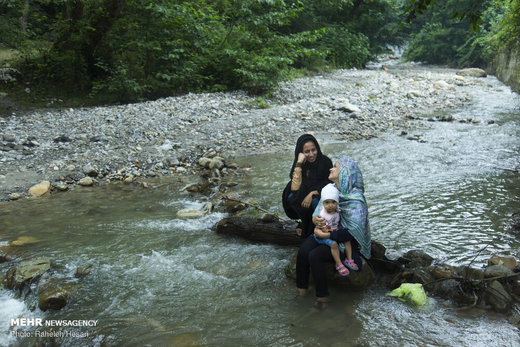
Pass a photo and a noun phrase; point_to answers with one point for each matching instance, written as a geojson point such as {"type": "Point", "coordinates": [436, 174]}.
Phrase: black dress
{"type": "Point", "coordinates": [314, 177]}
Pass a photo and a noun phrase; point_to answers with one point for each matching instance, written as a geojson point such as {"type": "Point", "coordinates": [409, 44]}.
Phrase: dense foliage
{"type": "Point", "coordinates": [130, 50]}
{"type": "Point", "coordinates": [461, 33]}
{"type": "Point", "coordinates": [127, 50]}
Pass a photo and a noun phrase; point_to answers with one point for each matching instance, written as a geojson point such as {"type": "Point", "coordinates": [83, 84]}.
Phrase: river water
{"type": "Point", "coordinates": [160, 280]}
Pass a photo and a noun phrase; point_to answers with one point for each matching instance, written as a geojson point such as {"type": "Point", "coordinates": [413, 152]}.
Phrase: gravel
{"type": "Point", "coordinates": [167, 137]}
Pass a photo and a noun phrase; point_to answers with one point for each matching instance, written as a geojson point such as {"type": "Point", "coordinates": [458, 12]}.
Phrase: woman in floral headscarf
{"type": "Point", "coordinates": [313, 257]}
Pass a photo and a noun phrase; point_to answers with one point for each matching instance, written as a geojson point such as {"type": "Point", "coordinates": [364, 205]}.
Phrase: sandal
{"type": "Point", "coordinates": [342, 270]}
{"type": "Point", "coordinates": [350, 264]}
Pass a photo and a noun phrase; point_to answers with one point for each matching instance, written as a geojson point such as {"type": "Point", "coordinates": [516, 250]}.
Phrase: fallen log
{"type": "Point", "coordinates": [265, 229]}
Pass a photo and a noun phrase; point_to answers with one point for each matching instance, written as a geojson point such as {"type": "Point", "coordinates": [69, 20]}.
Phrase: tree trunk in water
{"type": "Point", "coordinates": [256, 229]}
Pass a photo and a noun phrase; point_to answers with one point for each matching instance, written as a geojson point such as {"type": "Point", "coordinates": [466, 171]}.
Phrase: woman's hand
{"type": "Point", "coordinates": [301, 158]}
{"type": "Point", "coordinates": [306, 203]}
{"type": "Point", "coordinates": [318, 220]}
{"type": "Point", "coordinates": [321, 234]}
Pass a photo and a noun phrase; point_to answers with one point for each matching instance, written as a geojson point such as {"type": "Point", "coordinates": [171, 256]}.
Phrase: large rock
{"type": "Point", "coordinates": [497, 271]}
{"type": "Point", "coordinates": [417, 258]}
{"type": "Point", "coordinates": [40, 189]}
{"type": "Point", "coordinates": [356, 280]}
{"type": "Point", "coordinates": [472, 72]}
{"type": "Point", "coordinates": [496, 296]}
{"type": "Point", "coordinates": [55, 299]}
{"type": "Point", "coordinates": [503, 260]}
{"type": "Point", "coordinates": [27, 272]}
{"type": "Point", "coordinates": [87, 181]}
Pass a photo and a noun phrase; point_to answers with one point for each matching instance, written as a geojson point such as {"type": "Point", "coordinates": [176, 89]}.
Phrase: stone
{"type": "Point", "coordinates": [82, 271]}
{"type": "Point", "coordinates": [14, 196]}
{"type": "Point", "coordinates": [62, 187]}
{"type": "Point", "coordinates": [442, 271]}
{"type": "Point", "coordinates": [27, 272]}
{"type": "Point", "coordinates": [216, 163]}
{"type": "Point", "coordinates": [472, 273]}
{"type": "Point", "coordinates": [40, 189]}
{"type": "Point", "coordinates": [441, 85]}
{"type": "Point", "coordinates": [417, 258]}
{"type": "Point", "coordinates": [503, 260]}
{"type": "Point", "coordinates": [9, 138]}
{"type": "Point", "coordinates": [53, 299]}
{"type": "Point", "coordinates": [497, 271]}
{"type": "Point", "coordinates": [204, 162]}
{"type": "Point", "coordinates": [129, 179]}
{"type": "Point", "coordinates": [496, 296]}
{"type": "Point", "coordinates": [86, 181]}
{"type": "Point", "coordinates": [23, 240]}
{"type": "Point", "coordinates": [472, 72]}
{"type": "Point", "coordinates": [268, 218]}
{"type": "Point", "coordinates": [190, 213]}
{"type": "Point", "coordinates": [90, 170]}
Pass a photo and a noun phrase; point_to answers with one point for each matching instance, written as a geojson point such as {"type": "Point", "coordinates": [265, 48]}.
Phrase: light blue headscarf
{"type": "Point", "coordinates": [352, 204]}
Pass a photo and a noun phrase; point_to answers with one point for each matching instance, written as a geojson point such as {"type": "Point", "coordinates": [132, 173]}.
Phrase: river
{"type": "Point", "coordinates": [160, 280]}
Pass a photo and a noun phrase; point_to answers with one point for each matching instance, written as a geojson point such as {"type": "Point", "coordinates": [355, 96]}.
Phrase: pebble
{"type": "Point", "coordinates": [147, 139]}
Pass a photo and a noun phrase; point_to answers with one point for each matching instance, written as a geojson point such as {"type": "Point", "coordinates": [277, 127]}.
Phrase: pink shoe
{"type": "Point", "coordinates": [342, 270]}
{"type": "Point", "coordinates": [350, 264]}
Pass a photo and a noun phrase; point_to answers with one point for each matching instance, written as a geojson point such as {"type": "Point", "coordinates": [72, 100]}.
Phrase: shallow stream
{"type": "Point", "coordinates": [159, 280]}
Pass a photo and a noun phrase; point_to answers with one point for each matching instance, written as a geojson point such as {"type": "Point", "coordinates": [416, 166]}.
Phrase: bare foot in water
{"type": "Point", "coordinates": [302, 292]}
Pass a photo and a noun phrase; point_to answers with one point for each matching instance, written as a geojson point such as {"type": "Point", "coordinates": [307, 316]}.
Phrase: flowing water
{"type": "Point", "coordinates": [160, 280]}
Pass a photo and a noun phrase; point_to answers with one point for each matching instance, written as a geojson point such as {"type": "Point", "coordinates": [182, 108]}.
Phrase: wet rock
{"type": "Point", "coordinates": [417, 258]}
{"type": "Point", "coordinates": [442, 271]}
{"type": "Point", "coordinates": [452, 290]}
{"type": "Point", "coordinates": [53, 299]}
{"type": "Point", "coordinates": [90, 170]}
{"type": "Point", "coordinates": [216, 163]}
{"type": "Point", "coordinates": [26, 272]}
{"type": "Point", "coordinates": [496, 296]}
{"type": "Point", "coordinates": [471, 273]}
{"type": "Point", "coordinates": [356, 280]}
{"type": "Point", "coordinates": [193, 213]}
{"type": "Point", "coordinates": [268, 218]}
{"type": "Point", "coordinates": [14, 196]}
{"type": "Point", "coordinates": [62, 187]}
{"type": "Point", "coordinates": [204, 162]}
{"type": "Point", "coordinates": [23, 240]}
{"type": "Point", "coordinates": [62, 138]}
{"type": "Point", "coordinates": [233, 206]}
{"type": "Point", "coordinates": [421, 276]}
{"type": "Point", "coordinates": [9, 138]}
{"type": "Point", "coordinates": [86, 181]}
{"type": "Point", "coordinates": [497, 271]}
{"type": "Point", "coordinates": [82, 271]}
{"type": "Point", "coordinates": [4, 257]}
{"type": "Point", "coordinates": [472, 72]}
{"type": "Point", "coordinates": [503, 260]}
{"type": "Point", "coordinates": [129, 179]}
{"type": "Point", "coordinates": [40, 189]}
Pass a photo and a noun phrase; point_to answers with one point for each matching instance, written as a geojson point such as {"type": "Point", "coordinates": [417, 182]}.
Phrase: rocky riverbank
{"type": "Point", "coordinates": [169, 136]}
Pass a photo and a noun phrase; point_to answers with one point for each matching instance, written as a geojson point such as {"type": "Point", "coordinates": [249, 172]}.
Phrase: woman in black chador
{"type": "Point", "coordinates": [309, 174]}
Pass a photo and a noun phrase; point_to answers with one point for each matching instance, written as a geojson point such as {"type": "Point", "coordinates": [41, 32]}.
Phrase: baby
{"type": "Point", "coordinates": [329, 212]}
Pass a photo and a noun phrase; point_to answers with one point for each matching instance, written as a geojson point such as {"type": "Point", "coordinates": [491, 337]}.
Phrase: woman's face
{"type": "Point", "coordinates": [310, 151]}
{"type": "Point", "coordinates": [334, 172]}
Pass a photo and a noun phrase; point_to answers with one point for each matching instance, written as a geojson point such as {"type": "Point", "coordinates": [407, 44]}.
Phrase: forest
{"type": "Point", "coordinates": [119, 51]}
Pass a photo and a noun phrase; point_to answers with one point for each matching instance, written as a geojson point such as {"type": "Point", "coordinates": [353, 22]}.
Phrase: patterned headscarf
{"type": "Point", "coordinates": [353, 206]}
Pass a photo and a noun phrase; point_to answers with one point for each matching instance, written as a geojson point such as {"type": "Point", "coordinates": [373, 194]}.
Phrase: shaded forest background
{"type": "Point", "coordinates": [119, 51]}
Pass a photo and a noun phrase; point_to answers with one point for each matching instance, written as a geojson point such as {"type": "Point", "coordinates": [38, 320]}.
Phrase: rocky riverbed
{"type": "Point", "coordinates": [167, 137]}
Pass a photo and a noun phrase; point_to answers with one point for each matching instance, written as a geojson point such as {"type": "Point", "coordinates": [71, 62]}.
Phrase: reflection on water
{"type": "Point", "coordinates": [159, 280]}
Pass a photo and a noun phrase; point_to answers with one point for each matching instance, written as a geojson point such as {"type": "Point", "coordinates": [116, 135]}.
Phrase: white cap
{"type": "Point", "coordinates": [330, 192]}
